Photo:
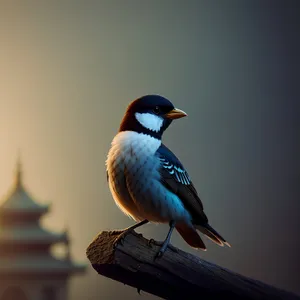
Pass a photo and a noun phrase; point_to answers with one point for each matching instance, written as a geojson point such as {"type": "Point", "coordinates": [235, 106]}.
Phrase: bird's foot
{"type": "Point", "coordinates": [160, 253]}
{"type": "Point", "coordinates": [163, 249]}
{"type": "Point", "coordinates": [119, 240]}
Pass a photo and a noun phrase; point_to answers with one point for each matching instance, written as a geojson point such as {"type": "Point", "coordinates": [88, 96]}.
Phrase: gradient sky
{"type": "Point", "coordinates": [67, 72]}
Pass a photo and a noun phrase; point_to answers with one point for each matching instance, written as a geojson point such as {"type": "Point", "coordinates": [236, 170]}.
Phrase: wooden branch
{"type": "Point", "coordinates": [177, 275]}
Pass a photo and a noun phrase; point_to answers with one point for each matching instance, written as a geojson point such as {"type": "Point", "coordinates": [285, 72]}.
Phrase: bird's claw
{"type": "Point", "coordinates": [163, 249]}
{"type": "Point", "coordinates": [159, 254]}
{"type": "Point", "coordinates": [157, 243]}
{"type": "Point", "coordinates": [119, 240]}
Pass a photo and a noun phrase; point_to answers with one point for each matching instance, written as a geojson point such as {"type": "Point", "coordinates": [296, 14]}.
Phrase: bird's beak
{"type": "Point", "coordinates": [175, 113]}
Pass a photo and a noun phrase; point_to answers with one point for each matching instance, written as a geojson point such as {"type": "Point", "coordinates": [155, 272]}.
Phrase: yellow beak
{"type": "Point", "coordinates": [175, 113]}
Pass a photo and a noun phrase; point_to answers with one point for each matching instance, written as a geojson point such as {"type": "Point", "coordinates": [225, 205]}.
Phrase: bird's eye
{"type": "Point", "coordinates": [156, 110]}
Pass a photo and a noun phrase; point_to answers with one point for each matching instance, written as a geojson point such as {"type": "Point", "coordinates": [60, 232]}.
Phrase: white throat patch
{"type": "Point", "coordinates": [149, 121]}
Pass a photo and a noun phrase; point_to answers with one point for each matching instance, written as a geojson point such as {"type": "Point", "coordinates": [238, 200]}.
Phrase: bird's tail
{"type": "Point", "coordinates": [190, 235]}
{"type": "Point", "coordinates": [212, 234]}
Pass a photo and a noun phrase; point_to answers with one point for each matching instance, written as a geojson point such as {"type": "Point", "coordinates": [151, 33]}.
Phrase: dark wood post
{"type": "Point", "coordinates": [177, 275]}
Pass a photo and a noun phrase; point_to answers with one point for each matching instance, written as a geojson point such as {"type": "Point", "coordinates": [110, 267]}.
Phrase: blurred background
{"type": "Point", "coordinates": [67, 73]}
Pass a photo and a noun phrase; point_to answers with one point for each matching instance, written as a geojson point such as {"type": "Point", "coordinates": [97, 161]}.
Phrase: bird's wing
{"type": "Point", "coordinates": [177, 180]}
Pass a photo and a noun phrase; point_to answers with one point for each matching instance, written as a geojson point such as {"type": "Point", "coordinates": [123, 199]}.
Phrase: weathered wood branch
{"type": "Point", "coordinates": [177, 275]}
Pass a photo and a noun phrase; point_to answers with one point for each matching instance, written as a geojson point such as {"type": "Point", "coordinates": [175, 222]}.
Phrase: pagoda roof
{"type": "Point", "coordinates": [19, 200]}
{"type": "Point", "coordinates": [38, 264]}
{"type": "Point", "coordinates": [30, 234]}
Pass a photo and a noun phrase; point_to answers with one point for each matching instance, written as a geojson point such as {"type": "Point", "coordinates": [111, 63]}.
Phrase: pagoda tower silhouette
{"type": "Point", "coordinates": [28, 270]}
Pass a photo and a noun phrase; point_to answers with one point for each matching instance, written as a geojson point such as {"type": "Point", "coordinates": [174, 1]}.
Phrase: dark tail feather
{"type": "Point", "coordinates": [190, 235]}
{"type": "Point", "coordinates": [212, 234]}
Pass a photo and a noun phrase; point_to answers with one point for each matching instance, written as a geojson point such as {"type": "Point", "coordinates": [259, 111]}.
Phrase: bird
{"type": "Point", "coordinates": [147, 180]}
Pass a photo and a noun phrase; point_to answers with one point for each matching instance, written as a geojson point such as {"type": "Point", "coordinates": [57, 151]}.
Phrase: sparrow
{"type": "Point", "coordinates": [148, 182]}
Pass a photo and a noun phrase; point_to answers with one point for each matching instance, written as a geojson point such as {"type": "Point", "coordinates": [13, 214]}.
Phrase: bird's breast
{"type": "Point", "coordinates": [131, 160]}
{"type": "Point", "coordinates": [132, 155]}
{"type": "Point", "coordinates": [131, 148]}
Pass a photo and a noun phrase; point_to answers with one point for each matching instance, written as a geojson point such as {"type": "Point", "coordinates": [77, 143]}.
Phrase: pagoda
{"type": "Point", "coordinates": [28, 270]}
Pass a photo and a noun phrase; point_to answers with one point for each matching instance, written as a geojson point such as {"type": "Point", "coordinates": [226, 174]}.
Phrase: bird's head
{"type": "Point", "coordinates": [150, 114]}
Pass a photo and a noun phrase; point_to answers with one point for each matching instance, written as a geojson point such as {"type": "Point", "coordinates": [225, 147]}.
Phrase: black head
{"type": "Point", "coordinates": [150, 114]}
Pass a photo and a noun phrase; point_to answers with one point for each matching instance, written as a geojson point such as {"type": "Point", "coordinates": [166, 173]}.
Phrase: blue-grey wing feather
{"type": "Point", "coordinates": [177, 180]}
